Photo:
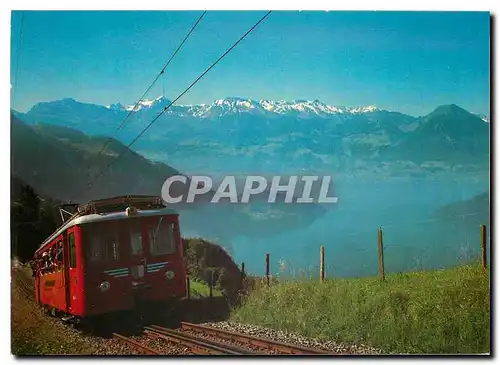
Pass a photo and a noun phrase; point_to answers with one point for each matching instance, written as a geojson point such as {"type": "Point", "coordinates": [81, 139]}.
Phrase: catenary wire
{"type": "Point", "coordinates": [181, 95]}
{"type": "Point", "coordinates": [122, 124]}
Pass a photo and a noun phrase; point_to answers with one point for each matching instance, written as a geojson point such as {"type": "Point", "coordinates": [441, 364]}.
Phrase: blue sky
{"type": "Point", "coordinates": [408, 62]}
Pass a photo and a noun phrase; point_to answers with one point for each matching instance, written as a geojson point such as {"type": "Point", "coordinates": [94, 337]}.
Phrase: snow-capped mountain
{"type": "Point", "coordinates": [236, 105]}
{"type": "Point", "coordinates": [264, 133]}
{"type": "Point", "coordinates": [143, 104]}
{"type": "Point", "coordinates": [484, 118]}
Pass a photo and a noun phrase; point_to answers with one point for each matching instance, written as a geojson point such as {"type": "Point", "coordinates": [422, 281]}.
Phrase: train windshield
{"type": "Point", "coordinates": [136, 241]}
{"type": "Point", "coordinates": [103, 246]}
{"type": "Point", "coordinates": [162, 238]}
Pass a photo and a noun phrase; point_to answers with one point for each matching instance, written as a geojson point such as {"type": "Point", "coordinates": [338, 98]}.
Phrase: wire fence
{"type": "Point", "coordinates": [394, 248]}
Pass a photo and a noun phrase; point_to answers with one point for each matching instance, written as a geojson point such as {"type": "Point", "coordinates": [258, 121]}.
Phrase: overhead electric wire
{"type": "Point", "coordinates": [154, 81]}
{"type": "Point", "coordinates": [182, 94]}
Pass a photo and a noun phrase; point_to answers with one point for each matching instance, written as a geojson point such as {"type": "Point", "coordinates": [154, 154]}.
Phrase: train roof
{"type": "Point", "coordinates": [112, 209]}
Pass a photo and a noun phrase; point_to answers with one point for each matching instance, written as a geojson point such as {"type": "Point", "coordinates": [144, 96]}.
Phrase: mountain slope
{"type": "Point", "coordinates": [449, 133]}
{"type": "Point", "coordinates": [59, 161]}
{"type": "Point", "coordinates": [478, 205]}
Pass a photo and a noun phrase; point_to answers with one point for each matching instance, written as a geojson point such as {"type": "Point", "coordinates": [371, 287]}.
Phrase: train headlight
{"type": "Point", "coordinates": [169, 275]}
{"type": "Point", "coordinates": [104, 286]}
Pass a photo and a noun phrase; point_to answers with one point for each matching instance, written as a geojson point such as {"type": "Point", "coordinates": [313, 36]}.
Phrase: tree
{"type": "Point", "coordinates": [30, 203]}
{"type": "Point", "coordinates": [31, 222]}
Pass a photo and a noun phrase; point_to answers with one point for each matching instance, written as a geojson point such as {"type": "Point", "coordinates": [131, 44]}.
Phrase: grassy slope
{"type": "Point", "coordinates": [34, 333]}
{"type": "Point", "coordinates": [444, 311]}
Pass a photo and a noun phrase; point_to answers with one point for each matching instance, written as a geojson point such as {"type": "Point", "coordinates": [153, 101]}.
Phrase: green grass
{"type": "Point", "coordinates": [201, 290]}
{"type": "Point", "coordinates": [34, 333]}
{"type": "Point", "coordinates": [443, 311]}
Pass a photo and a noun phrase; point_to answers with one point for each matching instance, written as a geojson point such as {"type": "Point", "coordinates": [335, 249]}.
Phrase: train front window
{"type": "Point", "coordinates": [162, 238]}
{"type": "Point", "coordinates": [136, 242]}
{"type": "Point", "coordinates": [103, 246]}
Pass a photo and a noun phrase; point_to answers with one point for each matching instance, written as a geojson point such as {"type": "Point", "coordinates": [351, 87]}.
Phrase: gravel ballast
{"type": "Point", "coordinates": [295, 339]}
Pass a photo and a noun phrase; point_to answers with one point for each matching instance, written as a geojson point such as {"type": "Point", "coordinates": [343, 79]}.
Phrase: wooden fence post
{"type": "Point", "coordinates": [381, 255]}
{"type": "Point", "coordinates": [212, 279]}
{"type": "Point", "coordinates": [322, 263]}
{"type": "Point", "coordinates": [267, 268]}
{"type": "Point", "coordinates": [188, 287]}
{"type": "Point", "coordinates": [482, 234]}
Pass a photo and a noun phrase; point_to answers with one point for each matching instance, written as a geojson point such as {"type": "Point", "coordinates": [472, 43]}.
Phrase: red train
{"type": "Point", "coordinates": [111, 255]}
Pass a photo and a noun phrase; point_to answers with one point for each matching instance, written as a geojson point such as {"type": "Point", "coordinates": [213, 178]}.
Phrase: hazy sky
{"type": "Point", "coordinates": [408, 62]}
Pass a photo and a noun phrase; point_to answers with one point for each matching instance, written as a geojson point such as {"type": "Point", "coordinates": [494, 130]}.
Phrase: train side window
{"type": "Point", "coordinates": [72, 250]}
{"type": "Point", "coordinates": [162, 238]}
{"type": "Point", "coordinates": [136, 242]}
{"type": "Point", "coordinates": [59, 255]}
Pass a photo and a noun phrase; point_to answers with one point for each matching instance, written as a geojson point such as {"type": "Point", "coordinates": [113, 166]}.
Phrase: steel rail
{"type": "Point", "coordinates": [192, 347]}
{"type": "Point", "coordinates": [145, 349]}
{"type": "Point", "coordinates": [268, 344]}
{"type": "Point", "coordinates": [193, 341]}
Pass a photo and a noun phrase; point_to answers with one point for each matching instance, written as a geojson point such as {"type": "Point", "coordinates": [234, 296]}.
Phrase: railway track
{"type": "Point", "coordinates": [136, 345]}
{"type": "Point", "coordinates": [203, 340]}
{"type": "Point", "coordinates": [264, 344]}
{"type": "Point", "coordinates": [196, 344]}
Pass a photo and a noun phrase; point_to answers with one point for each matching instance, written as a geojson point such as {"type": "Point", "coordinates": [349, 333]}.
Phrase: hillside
{"type": "Point", "coordinates": [202, 257]}
{"type": "Point", "coordinates": [476, 210]}
{"type": "Point", "coordinates": [59, 161]}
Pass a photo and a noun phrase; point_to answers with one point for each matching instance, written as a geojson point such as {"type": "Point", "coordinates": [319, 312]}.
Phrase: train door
{"type": "Point", "coordinates": [66, 281]}
{"type": "Point", "coordinates": [58, 270]}
{"type": "Point", "coordinates": [70, 272]}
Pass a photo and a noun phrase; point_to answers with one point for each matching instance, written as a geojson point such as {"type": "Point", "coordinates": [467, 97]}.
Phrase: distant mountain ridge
{"type": "Point", "coordinates": [240, 105]}
{"type": "Point", "coordinates": [250, 135]}
{"type": "Point", "coordinates": [68, 108]}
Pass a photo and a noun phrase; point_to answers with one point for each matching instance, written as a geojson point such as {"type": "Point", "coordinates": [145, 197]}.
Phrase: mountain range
{"type": "Point", "coordinates": [266, 136]}
{"type": "Point", "coordinates": [234, 105]}
{"type": "Point", "coordinates": [220, 107]}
